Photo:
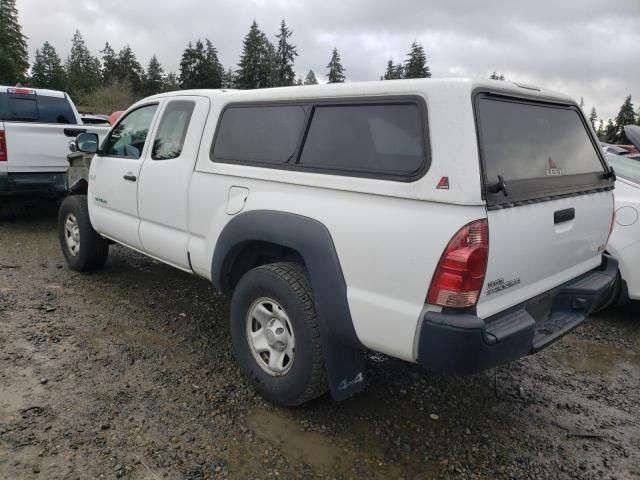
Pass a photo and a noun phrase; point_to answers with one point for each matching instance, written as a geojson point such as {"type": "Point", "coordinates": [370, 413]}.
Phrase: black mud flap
{"type": "Point", "coordinates": [346, 367]}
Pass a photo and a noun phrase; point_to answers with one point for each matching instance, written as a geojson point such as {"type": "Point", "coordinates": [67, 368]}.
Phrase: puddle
{"type": "Point", "coordinates": [297, 446]}
{"type": "Point", "coordinates": [322, 452]}
{"type": "Point", "coordinates": [596, 358]}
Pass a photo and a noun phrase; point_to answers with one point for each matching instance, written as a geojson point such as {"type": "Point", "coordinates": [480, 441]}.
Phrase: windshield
{"type": "Point", "coordinates": [522, 140]}
{"type": "Point", "coordinates": [625, 167]}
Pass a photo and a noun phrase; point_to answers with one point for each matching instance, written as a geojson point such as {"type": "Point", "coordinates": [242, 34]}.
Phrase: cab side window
{"type": "Point", "coordinates": [172, 130]}
{"type": "Point", "coordinates": [128, 137]}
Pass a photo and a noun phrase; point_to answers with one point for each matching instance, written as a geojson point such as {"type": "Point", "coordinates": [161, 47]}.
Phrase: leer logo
{"type": "Point", "coordinates": [443, 184]}
{"type": "Point", "coordinates": [553, 169]}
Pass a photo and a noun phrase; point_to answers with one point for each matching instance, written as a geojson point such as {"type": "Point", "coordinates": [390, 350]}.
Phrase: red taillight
{"type": "Point", "coordinates": [460, 274]}
{"type": "Point", "coordinates": [3, 147]}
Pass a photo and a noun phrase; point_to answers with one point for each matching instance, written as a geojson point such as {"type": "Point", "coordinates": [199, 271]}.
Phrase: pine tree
{"type": "Point", "coordinates": [593, 117]}
{"type": "Point", "coordinates": [610, 132]}
{"type": "Point", "coordinates": [299, 82]}
{"type": "Point", "coordinates": [257, 66]}
{"type": "Point", "coordinates": [109, 64]}
{"type": "Point", "coordinates": [153, 79]}
{"type": "Point", "coordinates": [626, 116]}
{"type": "Point", "coordinates": [170, 83]}
{"type": "Point", "coordinates": [496, 76]}
{"type": "Point", "coordinates": [310, 79]}
{"type": "Point", "coordinates": [47, 71]}
{"type": "Point", "coordinates": [581, 103]}
{"type": "Point", "coordinates": [336, 70]}
{"type": "Point", "coordinates": [393, 72]}
{"type": "Point", "coordinates": [229, 79]}
{"type": "Point", "coordinates": [129, 69]}
{"type": "Point", "coordinates": [600, 131]}
{"type": "Point", "coordinates": [213, 70]}
{"type": "Point", "coordinates": [14, 56]}
{"type": "Point", "coordinates": [285, 56]}
{"type": "Point", "coordinates": [83, 69]}
{"type": "Point", "coordinates": [415, 66]}
{"type": "Point", "coordinates": [200, 67]}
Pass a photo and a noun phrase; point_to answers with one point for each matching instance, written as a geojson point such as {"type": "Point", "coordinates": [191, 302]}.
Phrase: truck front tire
{"type": "Point", "coordinates": [83, 248]}
{"type": "Point", "coordinates": [275, 333]}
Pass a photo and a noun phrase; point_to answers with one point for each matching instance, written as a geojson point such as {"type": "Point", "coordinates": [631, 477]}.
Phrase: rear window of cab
{"type": "Point", "coordinates": [380, 139]}
{"type": "Point", "coordinates": [35, 108]}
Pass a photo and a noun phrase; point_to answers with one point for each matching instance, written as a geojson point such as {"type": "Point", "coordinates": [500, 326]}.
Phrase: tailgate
{"type": "Point", "coordinates": [549, 198]}
{"type": "Point", "coordinates": [37, 147]}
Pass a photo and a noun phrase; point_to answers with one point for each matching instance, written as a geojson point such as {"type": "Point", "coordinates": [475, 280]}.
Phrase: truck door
{"type": "Point", "coordinates": [165, 178]}
{"type": "Point", "coordinates": [114, 176]}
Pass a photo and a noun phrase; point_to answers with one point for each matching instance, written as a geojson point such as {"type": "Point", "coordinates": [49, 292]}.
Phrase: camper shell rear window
{"type": "Point", "coordinates": [532, 149]}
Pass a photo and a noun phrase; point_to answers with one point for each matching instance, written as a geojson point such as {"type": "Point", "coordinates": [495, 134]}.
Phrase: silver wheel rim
{"type": "Point", "coordinates": [72, 234]}
{"type": "Point", "coordinates": [270, 336]}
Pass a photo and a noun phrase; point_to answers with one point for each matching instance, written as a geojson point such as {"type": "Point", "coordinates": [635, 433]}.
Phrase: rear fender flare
{"type": "Point", "coordinates": [344, 358]}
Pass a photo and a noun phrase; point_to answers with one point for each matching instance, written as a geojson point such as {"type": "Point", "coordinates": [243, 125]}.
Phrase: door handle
{"type": "Point", "coordinates": [130, 177]}
{"type": "Point", "coordinates": [74, 132]}
{"type": "Point", "coordinates": [564, 215]}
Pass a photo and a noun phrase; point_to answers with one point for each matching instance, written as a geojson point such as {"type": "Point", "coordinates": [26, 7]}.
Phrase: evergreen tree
{"type": "Point", "coordinates": [299, 82]}
{"type": "Point", "coordinates": [170, 83]}
{"type": "Point", "coordinates": [600, 131]}
{"type": "Point", "coordinates": [310, 79]}
{"type": "Point", "coordinates": [229, 79]}
{"type": "Point", "coordinates": [14, 56]}
{"type": "Point", "coordinates": [109, 64]}
{"type": "Point", "coordinates": [638, 116]}
{"type": "Point", "coordinates": [581, 103]}
{"type": "Point", "coordinates": [257, 66]}
{"type": "Point", "coordinates": [336, 70]}
{"type": "Point", "coordinates": [129, 69]}
{"type": "Point", "coordinates": [285, 56]}
{"type": "Point", "coordinates": [213, 70]}
{"type": "Point", "coordinates": [83, 69]}
{"type": "Point", "coordinates": [393, 72]}
{"type": "Point", "coordinates": [626, 116]}
{"type": "Point", "coordinates": [593, 117]}
{"type": "Point", "coordinates": [415, 66]}
{"type": "Point", "coordinates": [153, 79]}
{"type": "Point", "coordinates": [47, 71]}
{"type": "Point", "coordinates": [496, 76]}
{"type": "Point", "coordinates": [200, 67]}
{"type": "Point", "coordinates": [610, 132]}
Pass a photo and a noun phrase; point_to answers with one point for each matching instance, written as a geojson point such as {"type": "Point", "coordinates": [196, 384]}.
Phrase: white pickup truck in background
{"type": "Point", "coordinates": [36, 127]}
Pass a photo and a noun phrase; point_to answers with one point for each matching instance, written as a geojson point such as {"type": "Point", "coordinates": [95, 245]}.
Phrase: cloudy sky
{"type": "Point", "coordinates": [588, 48]}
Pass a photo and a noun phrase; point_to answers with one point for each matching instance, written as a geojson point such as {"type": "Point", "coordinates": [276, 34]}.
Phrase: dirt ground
{"type": "Point", "coordinates": [128, 373]}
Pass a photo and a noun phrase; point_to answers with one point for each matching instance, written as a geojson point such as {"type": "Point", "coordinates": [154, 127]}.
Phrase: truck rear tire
{"type": "Point", "coordinates": [83, 248]}
{"type": "Point", "coordinates": [276, 336]}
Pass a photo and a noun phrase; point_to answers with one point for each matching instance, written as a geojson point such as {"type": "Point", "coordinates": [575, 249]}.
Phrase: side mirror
{"type": "Point", "coordinates": [87, 142]}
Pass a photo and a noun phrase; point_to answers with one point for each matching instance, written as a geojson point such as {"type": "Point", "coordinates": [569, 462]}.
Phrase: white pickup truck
{"type": "Point", "coordinates": [457, 224]}
{"type": "Point", "coordinates": [36, 126]}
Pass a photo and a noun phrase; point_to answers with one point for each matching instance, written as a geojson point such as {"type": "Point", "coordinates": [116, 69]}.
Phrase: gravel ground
{"type": "Point", "coordinates": [128, 373]}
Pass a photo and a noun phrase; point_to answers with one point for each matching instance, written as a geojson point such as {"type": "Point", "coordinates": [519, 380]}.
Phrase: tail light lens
{"type": "Point", "coordinates": [458, 280]}
{"type": "Point", "coordinates": [3, 147]}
